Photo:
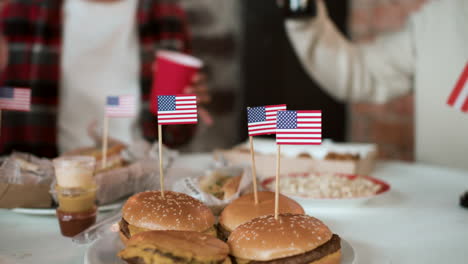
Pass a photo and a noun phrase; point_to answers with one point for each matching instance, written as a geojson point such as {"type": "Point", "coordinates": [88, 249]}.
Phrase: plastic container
{"type": "Point", "coordinates": [72, 224]}
{"type": "Point", "coordinates": [75, 199]}
{"type": "Point", "coordinates": [75, 171]}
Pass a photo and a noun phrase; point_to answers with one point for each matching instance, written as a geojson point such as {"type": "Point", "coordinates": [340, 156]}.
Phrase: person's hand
{"type": "Point", "coordinates": [200, 89]}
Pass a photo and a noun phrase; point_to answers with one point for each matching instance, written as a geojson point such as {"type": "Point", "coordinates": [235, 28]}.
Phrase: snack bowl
{"type": "Point", "coordinates": [381, 188]}
{"type": "Point", "coordinates": [216, 187]}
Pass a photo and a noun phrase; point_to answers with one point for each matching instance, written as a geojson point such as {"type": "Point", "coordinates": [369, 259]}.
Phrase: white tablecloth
{"type": "Point", "coordinates": [419, 221]}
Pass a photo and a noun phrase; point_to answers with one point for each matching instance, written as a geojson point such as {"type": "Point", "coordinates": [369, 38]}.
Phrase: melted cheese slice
{"type": "Point", "coordinates": [211, 231]}
{"type": "Point", "coordinates": [147, 256]}
{"type": "Point", "coordinates": [141, 251]}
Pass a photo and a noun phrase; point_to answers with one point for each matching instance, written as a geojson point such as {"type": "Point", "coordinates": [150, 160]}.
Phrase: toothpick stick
{"type": "Point", "coordinates": [104, 140]}
{"type": "Point", "coordinates": [254, 170]}
{"type": "Point", "coordinates": [277, 182]}
{"type": "Point", "coordinates": [161, 171]}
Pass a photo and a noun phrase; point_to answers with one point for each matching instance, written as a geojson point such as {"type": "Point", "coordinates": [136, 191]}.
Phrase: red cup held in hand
{"type": "Point", "coordinates": [173, 72]}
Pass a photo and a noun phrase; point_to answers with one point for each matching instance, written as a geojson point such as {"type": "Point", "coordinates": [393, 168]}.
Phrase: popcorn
{"type": "Point", "coordinates": [328, 186]}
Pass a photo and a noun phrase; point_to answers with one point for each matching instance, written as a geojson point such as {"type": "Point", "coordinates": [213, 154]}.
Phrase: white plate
{"type": "Point", "coordinates": [268, 146]}
{"type": "Point", "coordinates": [104, 251]}
{"type": "Point", "coordinates": [51, 211]}
{"type": "Point", "coordinates": [311, 203]}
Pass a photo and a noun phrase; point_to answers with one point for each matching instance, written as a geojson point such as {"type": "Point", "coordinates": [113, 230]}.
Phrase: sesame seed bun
{"type": "Point", "coordinates": [177, 211]}
{"type": "Point", "coordinates": [259, 239]}
{"type": "Point", "coordinates": [113, 157]}
{"type": "Point", "coordinates": [244, 209]}
{"type": "Point", "coordinates": [183, 246]}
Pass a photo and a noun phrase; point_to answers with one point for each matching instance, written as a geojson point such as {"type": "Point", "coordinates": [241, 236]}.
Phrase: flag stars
{"type": "Point", "coordinates": [256, 114]}
{"type": "Point", "coordinates": [166, 103]}
{"type": "Point", "coordinates": [287, 119]}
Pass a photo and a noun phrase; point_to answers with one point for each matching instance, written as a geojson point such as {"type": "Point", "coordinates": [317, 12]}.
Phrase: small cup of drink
{"type": "Point", "coordinates": [76, 193]}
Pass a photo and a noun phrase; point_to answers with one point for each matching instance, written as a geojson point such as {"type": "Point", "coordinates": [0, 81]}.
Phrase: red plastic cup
{"type": "Point", "coordinates": [173, 72]}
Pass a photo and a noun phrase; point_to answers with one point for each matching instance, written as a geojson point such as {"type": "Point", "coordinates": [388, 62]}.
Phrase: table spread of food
{"type": "Point", "coordinates": [233, 132]}
{"type": "Point", "coordinates": [115, 150]}
{"type": "Point", "coordinates": [209, 211]}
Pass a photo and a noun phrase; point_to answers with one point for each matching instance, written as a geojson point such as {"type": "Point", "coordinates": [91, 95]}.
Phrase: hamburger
{"type": "Point", "coordinates": [148, 211]}
{"type": "Point", "coordinates": [244, 209]}
{"type": "Point", "coordinates": [175, 247]}
{"type": "Point", "coordinates": [304, 239]}
{"type": "Point", "coordinates": [114, 157]}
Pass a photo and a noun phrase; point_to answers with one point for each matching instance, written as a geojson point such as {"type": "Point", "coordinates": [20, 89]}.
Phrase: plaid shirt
{"type": "Point", "coordinates": [33, 31]}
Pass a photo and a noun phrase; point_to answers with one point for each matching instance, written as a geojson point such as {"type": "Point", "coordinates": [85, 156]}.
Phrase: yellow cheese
{"type": "Point", "coordinates": [135, 230]}
{"type": "Point", "coordinates": [211, 231]}
{"type": "Point", "coordinates": [148, 257]}
{"type": "Point", "coordinates": [151, 257]}
{"type": "Point", "coordinates": [242, 261]}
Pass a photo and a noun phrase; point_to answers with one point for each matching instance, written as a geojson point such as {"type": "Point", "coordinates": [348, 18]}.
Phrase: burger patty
{"type": "Point", "coordinates": [123, 225]}
{"type": "Point", "coordinates": [332, 246]}
{"type": "Point", "coordinates": [176, 259]}
{"type": "Point", "coordinates": [223, 234]}
{"type": "Point", "coordinates": [135, 260]}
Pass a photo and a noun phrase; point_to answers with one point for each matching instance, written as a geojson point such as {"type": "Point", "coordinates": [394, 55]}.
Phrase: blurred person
{"type": "Point", "coordinates": [74, 53]}
{"type": "Point", "coordinates": [427, 56]}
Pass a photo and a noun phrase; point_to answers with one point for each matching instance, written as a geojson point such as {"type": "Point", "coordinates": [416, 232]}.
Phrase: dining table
{"type": "Point", "coordinates": [419, 220]}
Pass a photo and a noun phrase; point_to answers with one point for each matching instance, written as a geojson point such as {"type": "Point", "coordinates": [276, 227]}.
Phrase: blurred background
{"type": "Point", "coordinates": [251, 62]}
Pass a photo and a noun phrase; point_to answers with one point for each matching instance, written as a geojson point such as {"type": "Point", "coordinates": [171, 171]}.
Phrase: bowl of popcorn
{"type": "Point", "coordinates": [328, 189]}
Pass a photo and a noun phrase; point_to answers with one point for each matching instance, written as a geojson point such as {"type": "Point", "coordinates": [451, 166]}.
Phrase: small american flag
{"type": "Point", "coordinates": [458, 99]}
{"type": "Point", "coordinates": [120, 106]}
{"type": "Point", "coordinates": [262, 119]}
{"type": "Point", "coordinates": [299, 127]}
{"type": "Point", "coordinates": [15, 99]}
{"type": "Point", "coordinates": [177, 109]}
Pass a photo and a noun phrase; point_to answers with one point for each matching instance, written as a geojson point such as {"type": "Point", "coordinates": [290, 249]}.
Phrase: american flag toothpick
{"type": "Point", "coordinates": [12, 98]}
{"type": "Point", "coordinates": [299, 128]}
{"type": "Point", "coordinates": [18, 99]}
{"type": "Point", "coordinates": [295, 128]}
{"type": "Point", "coordinates": [261, 120]}
{"type": "Point", "coordinates": [174, 110]}
{"type": "Point", "coordinates": [116, 106]}
{"type": "Point", "coordinates": [121, 106]}
{"type": "Point", "coordinates": [177, 109]}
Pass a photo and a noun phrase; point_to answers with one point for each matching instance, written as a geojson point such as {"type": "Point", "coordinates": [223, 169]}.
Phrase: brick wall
{"type": "Point", "coordinates": [391, 125]}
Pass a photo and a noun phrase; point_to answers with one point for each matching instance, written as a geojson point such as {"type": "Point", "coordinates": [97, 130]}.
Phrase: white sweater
{"type": "Point", "coordinates": [428, 55]}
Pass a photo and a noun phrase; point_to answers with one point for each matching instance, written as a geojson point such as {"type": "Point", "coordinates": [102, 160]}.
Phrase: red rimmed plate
{"type": "Point", "coordinates": [332, 202]}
